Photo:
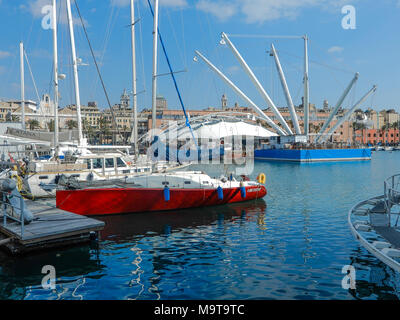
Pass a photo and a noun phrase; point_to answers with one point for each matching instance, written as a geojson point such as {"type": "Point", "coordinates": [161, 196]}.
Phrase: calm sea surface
{"type": "Point", "coordinates": [290, 245]}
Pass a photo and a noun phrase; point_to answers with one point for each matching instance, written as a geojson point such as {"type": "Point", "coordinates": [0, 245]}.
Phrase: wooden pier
{"type": "Point", "coordinates": [50, 228]}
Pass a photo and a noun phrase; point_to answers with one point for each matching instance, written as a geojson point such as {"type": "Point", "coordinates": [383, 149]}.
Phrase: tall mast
{"type": "Point", "coordinates": [154, 83]}
{"type": "Point", "coordinates": [337, 107]}
{"type": "Point", "coordinates": [55, 74]}
{"type": "Point", "coordinates": [75, 66]}
{"type": "Point", "coordinates": [288, 97]}
{"type": "Point", "coordinates": [348, 113]}
{"type": "Point", "coordinates": [21, 55]}
{"type": "Point", "coordinates": [241, 94]}
{"type": "Point", "coordinates": [306, 105]}
{"type": "Point", "coordinates": [134, 94]}
{"type": "Point", "coordinates": [257, 84]}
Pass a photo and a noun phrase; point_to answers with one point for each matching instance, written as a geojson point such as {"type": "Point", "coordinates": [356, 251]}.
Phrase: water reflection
{"type": "Point", "coordinates": [374, 279]}
{"type": "Point", "coordinates": [20, 275]}
{"type": "Point", "coordinates": [120, 228]}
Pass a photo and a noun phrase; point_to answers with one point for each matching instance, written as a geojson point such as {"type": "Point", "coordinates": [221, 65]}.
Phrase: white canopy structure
{"type": "Point", "coordinates": [215, 126]}
{"type": "Point", "coordinates": [222, 129]}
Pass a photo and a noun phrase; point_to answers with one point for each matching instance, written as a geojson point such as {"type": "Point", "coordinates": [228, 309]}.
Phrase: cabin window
{"type": "Point", "coordinates": [120, 163]}
{"type": "Point", "coordinates": [165, 183]}
{"type": "Point", "coordinates": [89, 164]}
{"type": "Point", "coordinates": [126, 171]}
{"type": "Point", "coordinates": [43, 177]}
{"type": "Point", "coordinates": [146, 169]}
{"type": "Point", "coordinates": [188, 182]}
{"type": "Point", "coordinates": [97, 163]}
{"type": "Point", "coordinates": [205, 182]}
{"type": "Point", "coordinates": [109, 163]}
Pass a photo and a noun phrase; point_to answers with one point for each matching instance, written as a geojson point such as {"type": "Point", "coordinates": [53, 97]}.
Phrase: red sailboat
{"type": "Point", "coordinates": [157, 192]}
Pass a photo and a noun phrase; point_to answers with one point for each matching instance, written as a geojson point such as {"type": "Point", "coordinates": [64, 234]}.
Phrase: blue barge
{"type": "Point", "coordinates": [313, 155]}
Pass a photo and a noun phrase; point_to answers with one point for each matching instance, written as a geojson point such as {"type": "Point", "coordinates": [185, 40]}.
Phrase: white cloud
{"type": "Point", "coordinates": [335, 49]}
{"type": "Point", "coordinates": [222, 10]}
{"type": "Point", "coordinates": [4, 54]}
{"type": "Point", "coordinates": [35, 8]}
{"type": "Point", "coordinates": [169, 3]}
{"type": "Point", "coordinates": [260, 11]}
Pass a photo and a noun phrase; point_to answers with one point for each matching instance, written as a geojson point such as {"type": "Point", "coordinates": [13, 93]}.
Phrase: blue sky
{"type": "Point", "coordinates": [372, 49]}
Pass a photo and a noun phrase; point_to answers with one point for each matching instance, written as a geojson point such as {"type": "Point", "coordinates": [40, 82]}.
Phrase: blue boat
{"type": "Point", "coordinates": [313, 155]}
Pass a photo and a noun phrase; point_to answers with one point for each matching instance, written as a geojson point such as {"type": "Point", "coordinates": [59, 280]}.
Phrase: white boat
{"type": "Point", "coordinates": [388, 148]}
{"type": "Point", "coordinates": [41, 177]}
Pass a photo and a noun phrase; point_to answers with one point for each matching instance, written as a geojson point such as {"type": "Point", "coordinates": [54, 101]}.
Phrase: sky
{"type": "Point", "coordinates": [335, 53]}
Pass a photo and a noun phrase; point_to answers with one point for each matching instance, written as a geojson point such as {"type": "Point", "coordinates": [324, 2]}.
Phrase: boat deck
{"type": "Point", "coordinates": [375, 226]}
{"type": "Point", "coordinates": [51, 227]}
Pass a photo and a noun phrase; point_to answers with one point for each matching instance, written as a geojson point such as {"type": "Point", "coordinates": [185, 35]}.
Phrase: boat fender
{"type": "Point", "coordinates": [261, 178]}
{"type": "Point", "coordinates": [167, 193]}
{"type": "Point", "coordinates": [220, 193]}
{"type": "Point", "coordinates": [242, 190]}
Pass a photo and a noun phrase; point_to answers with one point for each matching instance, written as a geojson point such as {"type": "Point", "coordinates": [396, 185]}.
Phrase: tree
{"type": "Point", "coordinates": [396, 125]}
{"type": "Point", "coordinates": [50, 125]}
{"type": "Point", "coordinates": [104, 129]}
{"type": "Point", "coordinates": [72, 124]}
{"type": "Point", "coordinates": [33, 124]}
{"type": "Point", "coordinates": [358, 126]}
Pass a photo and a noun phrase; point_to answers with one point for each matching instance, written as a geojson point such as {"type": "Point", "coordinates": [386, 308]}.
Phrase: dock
{"type": "Point", "coordinates": [50, 228]}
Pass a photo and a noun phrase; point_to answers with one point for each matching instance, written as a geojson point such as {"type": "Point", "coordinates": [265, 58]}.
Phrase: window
{"type": "Point", "coordinates": [120, 163]}
{"type": "Point", "coordinates": [97, 163]}
{"type": "Point", "coordinates": [109, 163]}
{"type": "Point", "coordinates": [89, 165]}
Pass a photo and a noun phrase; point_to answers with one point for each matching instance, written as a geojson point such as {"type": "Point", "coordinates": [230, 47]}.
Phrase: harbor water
{"type": "Point", "coordinates": [292, 244]}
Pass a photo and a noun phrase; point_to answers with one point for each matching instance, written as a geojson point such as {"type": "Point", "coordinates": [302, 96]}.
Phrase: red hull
{"type": "Point", "coordinates": [128, 200]}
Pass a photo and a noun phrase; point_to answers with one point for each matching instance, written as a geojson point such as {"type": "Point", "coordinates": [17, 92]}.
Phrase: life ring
{"type": "Point", "coordinates": [261, 178]}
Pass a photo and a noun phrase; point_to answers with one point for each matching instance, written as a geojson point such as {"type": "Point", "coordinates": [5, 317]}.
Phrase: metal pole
{"type": "Point", "coordinates": [55, 75]}
{"type": "Point", "coordinates": [134, 139]}
{"type": "Point", "coordinates": [75, 67]}
{"type": "Point", "coordinates": [306, 105]}
{"type": "Point", "coordinates": [154, 79]}
{"type": "Point", "coordinates": [348, 113]}
{"type": "Point", "coordinates": [4, 210]}
{"type": "Point", "coordinates": [257, 84]}
{"type": "Point", "coordinates": [241, 94]}
{"type": "Point", "coordinates": [21, 55]}
{"type": "Point", "coordinates": [286, 91]}
{"type": "Point", "coordinates": [337, 106]}
{"type": "Point", "coordinates": [21, 206]}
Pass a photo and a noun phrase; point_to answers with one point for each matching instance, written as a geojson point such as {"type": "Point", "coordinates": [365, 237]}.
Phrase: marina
{"type": "Point", "coordinates": [282, 197]}
{"type": "Point", "coordinates": [273, 248]}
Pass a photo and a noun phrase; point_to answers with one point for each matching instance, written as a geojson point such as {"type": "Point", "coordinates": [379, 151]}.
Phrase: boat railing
{"type": "Point", "coordinates": [392, 190]}
{"type": "Point", "coordinates": [15, 212]}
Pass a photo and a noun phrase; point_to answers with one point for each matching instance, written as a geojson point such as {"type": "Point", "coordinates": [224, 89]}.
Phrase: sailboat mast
{"type": "Point", "coordinates": [75, 67]}
{"type": "Point", "coordinates": [55, 74]}
{"type": "Point", "coordinates": [306, 104]}
{"type": "Point", "coordinates": [21, 55]}
{"type": "Point", "coordinates": [134, 93]}
{"type": "Point", "coordinates": [154, 82]}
